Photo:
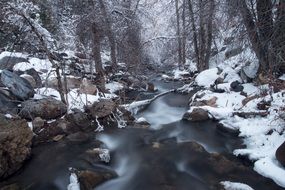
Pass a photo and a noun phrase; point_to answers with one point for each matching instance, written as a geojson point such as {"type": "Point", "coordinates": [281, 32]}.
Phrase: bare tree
{"type": "Point", "coordinates": [264, 32]}
{"type": "Point", "coordinates": [203, 33]}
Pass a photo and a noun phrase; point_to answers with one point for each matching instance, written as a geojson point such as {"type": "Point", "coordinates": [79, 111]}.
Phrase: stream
{"type": "Point", "coordinates": [170, 155]}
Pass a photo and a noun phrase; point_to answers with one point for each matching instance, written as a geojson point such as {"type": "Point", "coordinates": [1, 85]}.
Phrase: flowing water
{"type": "Point", "coordinates": [162, 157]}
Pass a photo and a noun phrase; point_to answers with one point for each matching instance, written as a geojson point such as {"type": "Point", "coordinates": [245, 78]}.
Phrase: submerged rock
{"type": "Point", "coordinates": [90, 179]}
{"type": "Point", "coordinates": [20, 87]}
{"type": "Point", "coordinates": [47, 108]}
{"type": "Point", "coordinates": [197, 114]}
{"type": "Point", "coordinates": [78, 137]}
{"type": "Point", "coordinates": [102, 108]}
{"type": "Point", "coordinates": [280, 154]}
{"type": "Point", "coordinates": [15, 145]}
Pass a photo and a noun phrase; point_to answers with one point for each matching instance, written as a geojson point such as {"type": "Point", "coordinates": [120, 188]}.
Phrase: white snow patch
{"type": "Point", "coordinates": [114, 86]}
{"type": "Point", "coordinates": [23, 66]}
{"type": "Point", "coordinates": [207, 77]}
{"type": "Point", "coordinates": [235, 186]}
{"type": "Point", "coordinates": [269, 167]}
{"type": "Point", "coordinates": [74, 183]}
{"type": "Point", "coordinates": [13, 54]}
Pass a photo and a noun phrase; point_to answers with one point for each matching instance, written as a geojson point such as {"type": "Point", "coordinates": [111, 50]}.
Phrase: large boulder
{"type": "Point", "coordinates": [102, 108]}
{"type": "Point", "coordinates": [15, 145]}
{"type": "Point", "coordinates": [71, 82]}
{"type": "Point", "coordinates": [20, 87]}
{"type": "Point", "coordinates": [8, 62]}
{"type": "Point", "coordinates": [197, 114]}
{"type": "Point", "coordinates": [32, 72]}
{"type": "Point", "coordinates": [47, 108]}
{"type": "Point", "coordinates": [280, 154]}
{"type": "Point", "coordinates": [87, 87]}
{"type": "Point", "coordinates": [79, 121]}
{"type": "Point", "coordinates": [7, 103]}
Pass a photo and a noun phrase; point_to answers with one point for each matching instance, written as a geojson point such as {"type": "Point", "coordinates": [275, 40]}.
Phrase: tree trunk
{"type": "Point", "coordinates": [279, 38]}
{"type": "Point", "coordinates": [209, 34]}
{"type": "Point", "coordinates": [265, 28]}
{"type": "Point", "coordinates": [253, 35]}
{"type": "Point", "coordinates": [110, 34]}
{"type": "Point", "coordinates": [178, 33]}
{"type": "Point", "coordinates": [184, 33]}
{"type": "Point", "coordinates": [97, 57]}
{"type": "Point", "coordinates": [194, 30]}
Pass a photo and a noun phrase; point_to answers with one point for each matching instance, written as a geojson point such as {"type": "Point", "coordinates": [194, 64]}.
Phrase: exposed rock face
{"type": "Point", "coordinates": [20, 87]}
{"type": "Point", "coordinates": [78, 137]}
{"type": "Point", "coordinates": [48, 132]}
{"type": "Point", "coordinates": [15, 145]}
{"type": "Point", "coordinates": [233, 52]}
{"type": "Point", "coordinates": [87, 87]}
{"type": "Point", "coordinates": [30, 79]}
{"type": "Point", "coordinates": [79, 121]}
{"type": "Point", "coordinates": [197, 114]}
{"type": "Point", "coordinates": [47, 108]}
{"type": "Point", "coordinates": [38, 124]}
{"type": "Point", "coordinates": [89, 179]}
{"type": "Point", "coordinates": [71, 83]}
{"type": "Point", "coordinates": [280, 154]}
{"type": "Point", "coordinates": [35, 76]}
{"type": "Point", "coordinates": [102, 108]}
{"type": "Point", "coordinates": [8, 62]}
{"type": "Point", "coordinates": [236, 86]}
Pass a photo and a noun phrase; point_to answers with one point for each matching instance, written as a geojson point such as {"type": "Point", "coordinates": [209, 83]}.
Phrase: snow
{"type": "Point", "coordinates": [141, 120]}
{"type": "Point", "coordinates": [230, 75]}
{"type": "Point", "coordinates": [282, 77]}
{"type": "Point", "coordinates": [13, 54]}
{"type": "Point", "coordinates": [235, 186]}
{"type": "Point", "coordinates": [178, 74]}
{"type": "Point", "coordinates": [114, 86]}
{"type": "Point", "coordinates": [207, 78]}
{"type": "Point", "coordinates": [74, 97]}
{"type": "Point", "coordinates": [104, 154]}
{"type": "Point", "coordinates": [261, 135]}
{"type": "Point", "coordinates": [40, 64]}
{"type": "Point", "coordinates": [270, 168]}
{"type": "Point", "coordinates": [30, 125]}
{"type": "Point", "coordinates": [74, 183]}
{"type": "Point", "coordinates": [23, 66]}
{"type": "Point", "coordinates": [8, 116]}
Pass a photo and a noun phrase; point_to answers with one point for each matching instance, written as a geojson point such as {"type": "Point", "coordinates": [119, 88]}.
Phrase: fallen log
{"type": "Point", "coordinates": [251, 114]}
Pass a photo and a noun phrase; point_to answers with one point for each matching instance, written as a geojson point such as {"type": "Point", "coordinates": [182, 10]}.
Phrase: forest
{"type": "Point", "coordinates": [142, 94]}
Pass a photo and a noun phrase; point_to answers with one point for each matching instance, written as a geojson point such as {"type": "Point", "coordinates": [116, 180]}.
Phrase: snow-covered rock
{"type": "Point", "coordinates": [207, 78]}
{"type": "Point", "coordinates": [235, 186]}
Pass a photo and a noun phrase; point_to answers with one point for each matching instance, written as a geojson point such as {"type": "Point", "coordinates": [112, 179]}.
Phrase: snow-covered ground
{"type": "Point", "coordinates": [262, 135]}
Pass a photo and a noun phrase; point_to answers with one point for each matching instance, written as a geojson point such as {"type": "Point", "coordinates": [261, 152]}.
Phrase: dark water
{"type": "Point", "coordinates": [163, 157]}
